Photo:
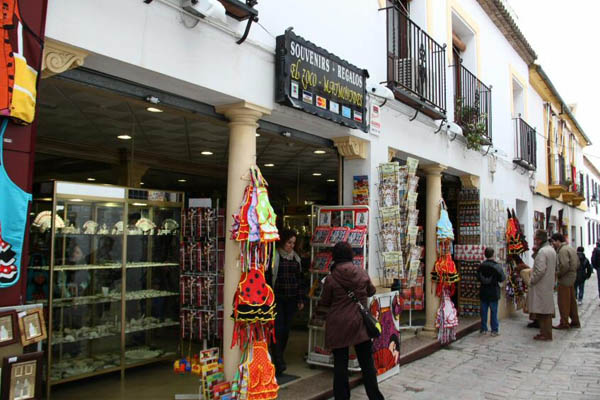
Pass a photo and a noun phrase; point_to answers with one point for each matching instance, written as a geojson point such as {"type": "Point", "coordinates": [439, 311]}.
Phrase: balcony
{"type": "Point", "coordinates": [579, 192]}
{"type": "Point", "coordinates": [559, 184]}
{"type": "Point", "coordinates": [473, 108]}
{"type": "Point", "coordinates": [416, 65]}
{"type": "Point", "coordinates": [525, 145]}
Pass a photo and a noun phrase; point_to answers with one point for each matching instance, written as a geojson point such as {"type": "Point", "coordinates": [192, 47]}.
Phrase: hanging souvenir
{"type": "Point", "coordinates": [255, 378]}
{"type": "Point", "coordinates": [13, 219]}
{"type": "Point", "coordinates": [447, 319]}
{"type": "Point", "coordinates": [22, 55]}
{"type": "Point", "coordinates": [444, 271]}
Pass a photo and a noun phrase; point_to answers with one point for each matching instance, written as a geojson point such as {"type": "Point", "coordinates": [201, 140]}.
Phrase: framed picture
{"type": "Point", "coordinates": [9, 328]}
{"type": "Point", "coordinates": [321, 234]}
{"type": "Point", "coordinates": [32, 326]}
{"type": "Point", "coordinates": [22, 377]}
{"type": "Point", "coordinates": [339, 234]}
{"type": "Point", "coordinates": [348, 220]}
{"type": "Point", "coordinates": [325, 219]}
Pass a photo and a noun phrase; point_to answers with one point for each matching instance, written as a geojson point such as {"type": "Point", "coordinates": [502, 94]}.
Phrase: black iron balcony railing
{"type": "Point", "coordinates": [525, 145]}
{"type": "Point", "coordinates": [416, 64]}
{"type": "Point", "coordinates": [473, 104]}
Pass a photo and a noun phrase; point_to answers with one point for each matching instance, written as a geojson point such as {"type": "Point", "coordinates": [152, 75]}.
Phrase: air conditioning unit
{"type": "Point", "coordinates": [406, 72]}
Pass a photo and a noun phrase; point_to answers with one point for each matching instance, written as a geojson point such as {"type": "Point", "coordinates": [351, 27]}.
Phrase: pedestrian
{"type": "Point", "coordinates": [344, 324]}
{"type": "Point", "coordinates": [568, 262]}
{"type": "Point", "coordinates": [287, 281]}
{"type": "Point", "coordinates": [584, 272]}
{"type": "Point", "coordinates": [596, 263]}
{"type": "Point", "coordinates": [540, 298]}
{"type": "Point", "coordinates": [490, 274]}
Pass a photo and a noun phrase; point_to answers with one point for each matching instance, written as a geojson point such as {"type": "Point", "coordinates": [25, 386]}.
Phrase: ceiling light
{"type": "Point", "coordinates": [207, 153]}
{"type": "Point", "coordinates": [181, 180]}
{"type": "Point", "coordinates": [258, 134]}
{"type": "Point", "coordinates": [319, 152]}
{"type": "Point", "coordinates": [124, 137]}
{"type": "Point", "coordinates": [91, 179]}
{"type": "Point", "coordinates": [141, 183]}
{"type": "Point", "coordinates": [77, 200]}
{"type": "Point", "coordinates": [330, 180]}
{"type": "Point", "coordinates": [269, 165]}
{"type": "Point", "coordinates": [140, 204]}
{"type": "Point", "coordinates": [317, 174]}
{"type": "Point", "coordinates": [154, 109]}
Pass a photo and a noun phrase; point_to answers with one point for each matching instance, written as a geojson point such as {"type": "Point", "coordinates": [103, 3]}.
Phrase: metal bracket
{"type": "Point", "coordinates": [415, 116]}
{"type": "Point", "coordinates": [247, 31]}
{"type": "Point", "coordinates": [440, 128]}
{"type": "Point", "coordinates": [488, 149]}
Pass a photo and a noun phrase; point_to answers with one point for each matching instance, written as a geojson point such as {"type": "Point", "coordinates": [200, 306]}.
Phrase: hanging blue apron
{"type": "Point", "coordinates": [14, 203]}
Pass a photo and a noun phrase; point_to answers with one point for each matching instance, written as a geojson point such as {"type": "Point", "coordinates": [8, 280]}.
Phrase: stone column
{"type": "Point", "coordinates": [243, 119]}
{"type": "Point", "coordinates": [433, 195]}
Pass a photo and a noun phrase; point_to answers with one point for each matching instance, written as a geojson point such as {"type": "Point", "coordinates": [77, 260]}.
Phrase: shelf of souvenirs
{"type": "Point", "coordinates": [189, 307]}
{"type": "Point", "coordinates": [354, 246]}
{"type": "Point", "coordinates": [108, 330]}
{"type": "Point", "coordinates": [107, 298]}
{"type": "Point", "coordinates": [119, 265]}
{"type": "Point", "coordinates": [71, 369]}
{"type": "Point", "coordinates": [113, 235]}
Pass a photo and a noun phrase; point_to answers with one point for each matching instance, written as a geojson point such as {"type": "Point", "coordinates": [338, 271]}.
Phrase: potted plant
{"type": "Point", "coordinates": [473, 123]}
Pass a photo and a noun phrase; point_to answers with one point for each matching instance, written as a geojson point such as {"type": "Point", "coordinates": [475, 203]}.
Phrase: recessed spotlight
{"type": "Point", "coordinates": [140, 204]}
{"type": "Point", "coordinates": [124, 137]}
{"type": "Point", "coordinates": [269, 165]}
{"type": "Point", "coordinates": [182, 180]}
{"type": "Point", "coordinates": [330, 180]}
{"type": "Point", "coordinates": [76, 200]}
{"type": "Point", "coordinates": [141, 183]}
{"type": "Point", "coordinates": [319, 152]}
{"type": "Point", "coordinates": [317, 174]}
{"type": "Point", "coordinates": [154, 109]}
{"type": "Point", "coordinates": [258, 134]}
{"type": "Point", "coordinates": [207, 153]}
{"type": "Point", "coordinates": [91, 179]}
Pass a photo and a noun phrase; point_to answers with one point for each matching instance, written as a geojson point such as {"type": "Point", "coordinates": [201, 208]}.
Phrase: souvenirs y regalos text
{"type": "Point", "coordinates": [318, 82]}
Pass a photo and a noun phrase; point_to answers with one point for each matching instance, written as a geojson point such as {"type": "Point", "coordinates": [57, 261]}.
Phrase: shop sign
{"type": "Point", "coordinates": [318, 82]}
{"type": "Point", "coordinates": [375, 120]}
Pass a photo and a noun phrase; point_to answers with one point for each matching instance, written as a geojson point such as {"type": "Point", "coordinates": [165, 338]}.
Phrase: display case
{"type": "Point", "coordinates": [105, 262]}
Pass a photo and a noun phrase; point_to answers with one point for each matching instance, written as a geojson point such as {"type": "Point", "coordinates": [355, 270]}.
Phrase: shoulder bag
{"type": "Point", "coordinates": [373, 326]}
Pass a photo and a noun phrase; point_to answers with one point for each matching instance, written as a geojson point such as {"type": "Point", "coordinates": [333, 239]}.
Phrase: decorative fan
{"type": "Point", "coordinates": [118, 228]}
{"type": "Point", "coordinates": [43, 221]}
{"type": "Point", "coordinates": [89, 227]}
{"type": "Point", "coordinates": [145, 225]}
{"type": "Point", "coordinates": [170, 225]}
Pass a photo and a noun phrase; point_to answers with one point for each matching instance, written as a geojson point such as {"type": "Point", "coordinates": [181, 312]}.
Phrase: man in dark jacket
{"type": "Point", "coordinates": [596, 263]}
{"type": "Point", "coordinates": [583, 274]}
{"type": "Point", "coordinates": [490, 274]}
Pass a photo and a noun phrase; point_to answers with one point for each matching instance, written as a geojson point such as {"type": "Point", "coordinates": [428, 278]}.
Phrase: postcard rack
{"type": "Point", "coordinates": [330, 225]}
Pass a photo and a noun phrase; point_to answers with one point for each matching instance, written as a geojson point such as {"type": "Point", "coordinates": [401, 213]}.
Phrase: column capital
{"type": "Point", "coordinates": [351, 147]}
{"type": "Point", "coordinates": [59, 57]}
{"type": "Point", "coordinates": [470, 181]}
{"type": "Point", "coordinates": [242, 112]}
{"type": "Point", "coordinates": [434, 169]}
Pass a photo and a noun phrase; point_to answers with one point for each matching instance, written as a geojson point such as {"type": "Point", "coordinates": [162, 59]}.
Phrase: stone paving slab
{"type": "Point", "coordinates": [510, 366]}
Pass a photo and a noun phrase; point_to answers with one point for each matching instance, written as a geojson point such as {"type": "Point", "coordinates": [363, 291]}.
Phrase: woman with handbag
{"type": "Point", "coordinates": [343, 289]}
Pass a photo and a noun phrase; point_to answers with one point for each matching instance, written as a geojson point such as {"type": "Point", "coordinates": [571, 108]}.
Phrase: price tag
{"type": "Point", "coordinates": [12, 360]}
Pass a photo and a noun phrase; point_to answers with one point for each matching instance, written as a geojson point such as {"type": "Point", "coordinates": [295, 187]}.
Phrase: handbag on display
{"type": "Point", "coordinates": [371, 323]}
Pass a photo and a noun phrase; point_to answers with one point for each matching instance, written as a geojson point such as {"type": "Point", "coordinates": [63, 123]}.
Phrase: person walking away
{"type": "Point", "coordinates": [344, 326]}
{"type": "Point", "coordinates": [568, 262]}
{"type": "Point", "coordinates": [596, 263]}
{"type": "Point", "coordinates": [490, 274]}
{"type": "Point", "coordinates": [286, 280]}
{"type": "Point", "coordinates": [584, 272]}
{"type": "Point", "coordinates": [540, 298]}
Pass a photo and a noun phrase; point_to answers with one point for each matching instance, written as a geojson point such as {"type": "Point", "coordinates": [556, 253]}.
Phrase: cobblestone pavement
{"type": "Point", "coordinates": [510, 366]}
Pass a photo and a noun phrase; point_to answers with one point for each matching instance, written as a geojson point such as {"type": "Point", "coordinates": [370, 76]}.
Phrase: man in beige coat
{"type": "Point", "coordinates": [568, 262]}
{"type": "Point", "coordinates": [540, 298]}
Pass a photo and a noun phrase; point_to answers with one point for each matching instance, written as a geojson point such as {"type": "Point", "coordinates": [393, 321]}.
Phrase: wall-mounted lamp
{"type": "Point", "coordinates": [380, 92]}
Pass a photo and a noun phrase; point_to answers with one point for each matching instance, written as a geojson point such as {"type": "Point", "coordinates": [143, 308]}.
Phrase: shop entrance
{"type": "Point", "coordinates": [96, 136]}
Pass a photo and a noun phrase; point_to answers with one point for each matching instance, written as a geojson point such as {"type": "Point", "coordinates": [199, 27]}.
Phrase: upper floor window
{"type": "Point", "coordinates": [518, 99]}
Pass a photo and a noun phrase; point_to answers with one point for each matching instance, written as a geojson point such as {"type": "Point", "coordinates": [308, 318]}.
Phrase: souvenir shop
{"type": "Point", "coordinates": [129, 267]}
